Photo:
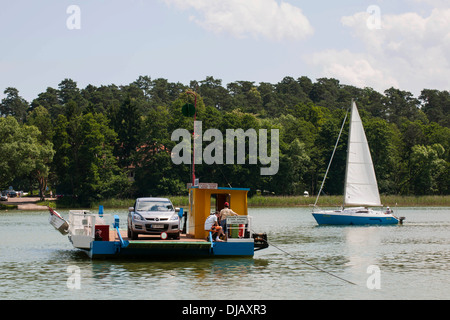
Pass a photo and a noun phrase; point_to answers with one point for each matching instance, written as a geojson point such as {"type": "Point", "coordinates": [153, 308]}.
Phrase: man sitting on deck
{"type": "Point", "coordinates": [212, 224]}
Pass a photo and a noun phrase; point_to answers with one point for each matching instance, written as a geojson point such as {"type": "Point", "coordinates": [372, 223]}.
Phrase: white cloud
{"type": "Point", "coordinates": [409, 51]}
{"type": "Point", "coordinates": [352, 68]}
{"type": "Point", "coordinates": [435, 3]}
{"type": "Point", "coordinates": [249, 18]}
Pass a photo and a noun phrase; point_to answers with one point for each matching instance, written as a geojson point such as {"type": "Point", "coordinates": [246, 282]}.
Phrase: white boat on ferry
{"type": "Point", "coordinates": [361, 188]}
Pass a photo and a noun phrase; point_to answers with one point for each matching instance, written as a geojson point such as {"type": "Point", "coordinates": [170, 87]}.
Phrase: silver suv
{"type": "Point", "coordinates": [153, 216]}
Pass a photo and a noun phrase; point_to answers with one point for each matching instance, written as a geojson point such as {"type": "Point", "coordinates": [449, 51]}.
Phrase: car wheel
{"type": "Point", "coordinates": [176, 236]}
{"type": "Point", "coordinates": [133, 235]}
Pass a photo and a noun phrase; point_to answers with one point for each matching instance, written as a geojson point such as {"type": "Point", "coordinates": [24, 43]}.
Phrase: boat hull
{"type": "Point", "coordinates": [350, 218]}
{"type": "Point", "coordinates": [169, 249]}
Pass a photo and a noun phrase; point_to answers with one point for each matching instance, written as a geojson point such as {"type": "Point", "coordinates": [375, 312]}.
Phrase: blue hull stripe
{"type": "Point", "coordinates": [141, 249]}
{"type": "Point", "coordinates": [339, 219]}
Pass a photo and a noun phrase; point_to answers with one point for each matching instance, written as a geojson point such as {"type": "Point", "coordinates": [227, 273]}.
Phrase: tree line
{"type": "Point", "coordinates": [115, 141]}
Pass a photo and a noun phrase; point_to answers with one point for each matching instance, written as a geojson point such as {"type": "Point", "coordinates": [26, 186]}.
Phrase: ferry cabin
{"type": "Point", "coordinates": [200, 199]}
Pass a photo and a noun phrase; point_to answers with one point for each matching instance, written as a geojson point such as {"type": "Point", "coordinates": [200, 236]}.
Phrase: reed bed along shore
{"type": "Point", "coordinates": [336, 201]}
{"type": "Point", "coordinates": [299, 201]}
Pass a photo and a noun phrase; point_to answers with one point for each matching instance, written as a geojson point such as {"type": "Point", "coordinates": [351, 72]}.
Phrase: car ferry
{"type": "Point", "coordinates": [169, 232]}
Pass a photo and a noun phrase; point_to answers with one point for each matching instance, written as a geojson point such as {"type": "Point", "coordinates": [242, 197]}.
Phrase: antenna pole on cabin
{"type": "Point", "coordinates": [195, 119]}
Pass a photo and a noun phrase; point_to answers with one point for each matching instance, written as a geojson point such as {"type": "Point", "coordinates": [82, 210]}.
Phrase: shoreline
{"type": "Point", "coordinates": [25, 203]}
{"type": "Point", "coordinates": [257, 201]}
{"type": "Point", "coordinates": [336, 201]}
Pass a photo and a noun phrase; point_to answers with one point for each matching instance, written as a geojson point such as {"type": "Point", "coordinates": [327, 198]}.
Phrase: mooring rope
{"type": "Point", "coordinates": [309, 264]}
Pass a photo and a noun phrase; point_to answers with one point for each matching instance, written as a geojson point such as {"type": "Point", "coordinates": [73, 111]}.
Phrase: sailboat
{"type": "Point", "coordinates": [361, 188]}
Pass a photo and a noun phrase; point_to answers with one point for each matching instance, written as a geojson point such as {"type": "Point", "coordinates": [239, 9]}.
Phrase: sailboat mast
{"type": "Point", "coordinates": [348, 148]}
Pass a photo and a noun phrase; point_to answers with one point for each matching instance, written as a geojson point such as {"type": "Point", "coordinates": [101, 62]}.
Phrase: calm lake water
{"type": "Point", "coordinates": [413, 262]}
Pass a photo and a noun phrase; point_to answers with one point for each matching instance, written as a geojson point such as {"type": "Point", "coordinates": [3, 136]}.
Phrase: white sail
{"type": "Point", "coordinates": [361, 188]}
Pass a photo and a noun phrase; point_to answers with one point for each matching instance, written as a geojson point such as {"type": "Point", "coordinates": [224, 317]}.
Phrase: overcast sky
{"type": "Point", "coordinates": [378, 44]}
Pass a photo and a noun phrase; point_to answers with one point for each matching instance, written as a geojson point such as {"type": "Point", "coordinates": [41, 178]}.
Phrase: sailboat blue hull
{"type": "Point", "coordinates": [328, 218]}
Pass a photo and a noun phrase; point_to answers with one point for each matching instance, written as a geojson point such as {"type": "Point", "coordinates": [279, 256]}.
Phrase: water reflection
{"type": "Point", "coordinates": [199, 269]}
{"type": "Point", "coordinates": [176, 280]}
{"type": "Point", "coordinates": [362, 245]}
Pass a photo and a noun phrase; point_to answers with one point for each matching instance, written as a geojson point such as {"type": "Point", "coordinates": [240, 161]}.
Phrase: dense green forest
{"type": "Point", "coordinates": [115, 141]}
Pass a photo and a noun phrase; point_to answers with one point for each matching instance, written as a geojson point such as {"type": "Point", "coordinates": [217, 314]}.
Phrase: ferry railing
{"type": "Point", "coordinates": [239, 227]}
{"type": "Point", "coordinates": [123, 244]}
{"type": "Point", "coordinates": [83, 222]}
